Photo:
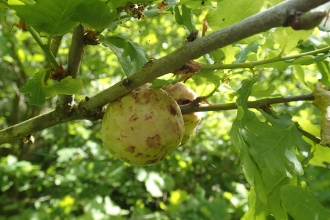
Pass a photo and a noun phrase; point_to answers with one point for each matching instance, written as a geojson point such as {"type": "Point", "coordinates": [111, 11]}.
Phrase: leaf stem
{"type": "Point", "coordinates": [44, 47]}
{"type": "Point", "coordinates": [310, 136]}
{"type": "Point", "coordinates": [253, 64]}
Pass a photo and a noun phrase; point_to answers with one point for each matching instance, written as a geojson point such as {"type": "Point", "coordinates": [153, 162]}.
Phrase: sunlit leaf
{"type": "Point", "coordinates": [177, 197]}
{"type": "Point", "coordinates": [245, 51]}
{"type": "Point", "coordinates": [194, 4]}
{"type": "Point", "coordinates": [131, 56]}
{"type": "Point", "coordinates": [185, 18]}
{"type": "Point", "coordinates": [225, 14]}
{"type": "Point", "coordinates": [258, 91]}
{"type": "Point", "coordinates": [209, 75]}
{"type": "Point", "coordinates": [288, 38]}
{"type": "Point", "coordinates": [323, 67]}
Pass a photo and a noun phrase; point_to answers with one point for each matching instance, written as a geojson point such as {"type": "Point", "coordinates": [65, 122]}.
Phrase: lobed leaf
{"type": "Point", "coordinates": [131, 56]}
{"type": "Point", "coordinates": [288, 38]}
{"type": "Point", "coordinates": [39, 90]}
{"type": "Point", "coordinates": [36, 88]}
{"type": "Point", "coordinates": [96, 15]}
{"type": "Point", "coordinates": [259, 92]}
{"type": "Point", "coordinates": [273, 145]}
{"type": "Point", "coordinates": [48, 16]}
{"type": "Point", "coordinates": [185, 18]}
{"type": "Point", "coordinates": [257, 209]}
{"type": "Point", "coordinates": [268, 154]}
{"type": "Point", "coordinates": [302, 204]}
{"type": "Point", "coordinates": [246, 50]}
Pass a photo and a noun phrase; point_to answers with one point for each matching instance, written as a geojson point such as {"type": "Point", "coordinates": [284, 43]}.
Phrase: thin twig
{"type": "Point", "coordinates": [192, 107]}
{"type": "Point", "coordinates": [44, 47]}
{"type": "Point", "coordinates": [253, 64]}
{"type": "Point", "coordinates": [75, 55]}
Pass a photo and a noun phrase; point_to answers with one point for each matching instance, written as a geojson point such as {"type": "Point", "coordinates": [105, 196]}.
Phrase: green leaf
{"type": "Point", "coordinates": [226, 13]}
{"type": "Point", "coordinates": [131, 56]}
{"type": "Point", "coordinates": [244, 92]}
{"type": "Point", "coordinates": [121, 3]}
{"type": "Point", "coordinates": [273, 144]}
{"type": "Point", "coordinates": [49, 16]}
{"type": "Point", "coordinates": [194, 4]}
{"type": "Point", "coordinates": [246, 50]}
{"type": "Point", "coordinates": [96, 15]}
{"type": "Point", "coordinates": [250, 168]}
{"type": "Point", "coordinates": [21, 2]}
{"type": "Point", "coordinates": [217, 55]}
{"type": "Point", "coordinates": [273, 184]}
{"type": "Point", "coordinates": [117, 3]}
{"type": "Point", "coordinates": [185, 19]}
{"type": "Point", "coordinates": [36, 88]}
{"type": "Point", "coordinates": [323, 67]}
{"type": "Point", "coordinates": [39, 90]}
{"type": "Point", "coordinates": [288, 38]}
{"type": "Point", "coordinates": [177, 197]}
{"type": "Point", "coordinates": [268, 152]}
{"type": "Point", "coordinates": [159, 83]}
{"type": "Point", "coordinates": [67, 86]}
{"type": "Point", "coordinates": [214, 209]}
{"type": "Point", "coordinates": [209, 75]}
{"type": "Point", "coordinates": [257, 209]}
{"type": "Point", "coordinates": [301, 204]}
{"type": "Point", "coordinates": [258, 91]}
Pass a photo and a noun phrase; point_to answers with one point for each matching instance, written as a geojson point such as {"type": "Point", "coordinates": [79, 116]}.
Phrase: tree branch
{"type": "Point", "coordinates": [89, 109]}
{"type": "Point", "coordinates": [75, 55]}
{"type": "Point", "coordinates": [253, 64]}
{"type": "Point", "coordinates": [192, 107]}
{"type": "Point", "coordinates": [274, 17]}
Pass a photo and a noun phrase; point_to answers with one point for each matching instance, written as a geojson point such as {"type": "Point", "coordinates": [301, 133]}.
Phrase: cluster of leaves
{"type": "Point", "coordinates": [67, 173]}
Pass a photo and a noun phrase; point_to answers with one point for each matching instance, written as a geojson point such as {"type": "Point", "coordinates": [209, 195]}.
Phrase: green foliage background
{"type": "Point", "coordinates": [68, 174]}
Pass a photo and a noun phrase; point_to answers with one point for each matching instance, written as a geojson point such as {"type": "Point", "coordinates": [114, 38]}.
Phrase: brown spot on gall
{"type": "Point", "coordinates": [149, 116]}
{"type": "Point", "coordinates": [154, 141]}
{"type": "Point", "coordinates": [148, 162]}
{"type": "Point", "coordinates": [172, 110]}
{"type": "Point", "coordinates": [134, 117]}
{"type": "Point", "coordinates": [125, 159]}
{"type": "Point", "coordinates": [138, 155]}
{"type": "Point", "coordinates": [130, 149]}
